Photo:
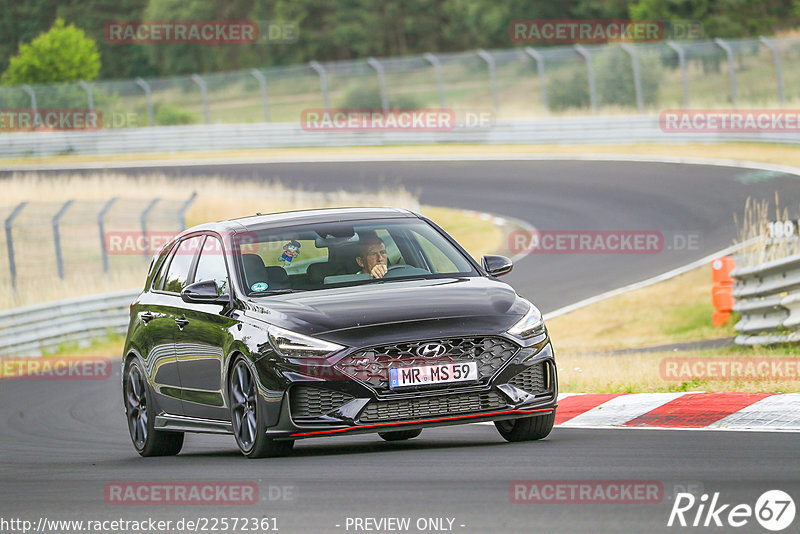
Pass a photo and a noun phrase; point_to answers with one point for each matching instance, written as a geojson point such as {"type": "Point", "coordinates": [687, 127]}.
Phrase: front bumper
{"type": "Point", "coordinates": [525, 385]}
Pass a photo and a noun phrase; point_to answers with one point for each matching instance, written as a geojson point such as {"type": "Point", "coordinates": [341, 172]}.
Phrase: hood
{"type": "Point", "coordinates": [328, 311]}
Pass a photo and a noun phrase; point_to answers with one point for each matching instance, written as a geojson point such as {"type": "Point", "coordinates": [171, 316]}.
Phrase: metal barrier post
{"type": "Point", "coordinates": [89, 95]}
{"type": "Point", "coordinates": [637, 78]}
{"type": "Point", "coordinates": [143, 219]}
{"type": "Point", "coordinates": [776, 55]}
{"type": "Point", "coordinates": [182, 211]}
{"type": "Point", "coordinates": [57, 237]}
{"type": "Point", "coordinates": [684, 77]}
{"type": "Point", "coordinates": [148, 97]}
{"type": "Point", "coordinates": [10, 242]}
{"type": "Point", "coordinates": [375, 64]}
{"type": "Point", "coordinates": [437, 67]}
{"type": "Point", "coordinates": [590, 72]}
{"type": "Point", "coordinates": [487, 57]}
{"type": "Point", "coordinates": [204, 95]}
{"type": "Point", "coordinates": [731, 67]}
{"type": "Point", "coordinates": [28, 89]}
{"type": "Point", "coordinates": [101, 226]}
{"type": "Point", "coordinates": [323, 83]}
{"type": "Point", "coordinates": [539, 58]}
{"type": "Point", "coordinates": [262, 83]}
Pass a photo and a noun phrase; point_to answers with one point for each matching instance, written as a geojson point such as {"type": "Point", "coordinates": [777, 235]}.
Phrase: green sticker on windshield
{"type": "Point", "coordinates": [259, 286]}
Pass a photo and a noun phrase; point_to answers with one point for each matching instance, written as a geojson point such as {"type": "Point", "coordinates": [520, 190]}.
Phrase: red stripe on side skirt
{"type": "Point", "coordinates": [696, 410]}
{"type": "Point", "coordinates": [575, 405]}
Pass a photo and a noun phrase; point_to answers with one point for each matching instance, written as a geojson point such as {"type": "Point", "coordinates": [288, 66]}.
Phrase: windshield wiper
{"type": "Point", "coordinates": [272, 292]}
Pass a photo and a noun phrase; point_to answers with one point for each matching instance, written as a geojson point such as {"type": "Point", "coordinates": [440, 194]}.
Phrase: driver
{"type": "Point", "coordinates": [372, 257]}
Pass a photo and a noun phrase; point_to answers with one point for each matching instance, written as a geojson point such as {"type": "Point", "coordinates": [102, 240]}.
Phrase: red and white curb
{"type": "Point", "coordinates": [687, 411]}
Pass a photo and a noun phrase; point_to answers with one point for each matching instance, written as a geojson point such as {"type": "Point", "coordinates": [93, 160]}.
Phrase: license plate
{"type": "Point", "coordinates": [432, 374]}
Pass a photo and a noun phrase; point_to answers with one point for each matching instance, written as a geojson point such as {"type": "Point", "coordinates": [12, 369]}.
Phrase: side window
{"type": "Point", "coordinates": [441, 263]}
{"type": "Point", "coordinates": [392, 252]}
{"type": "Point", "coordinates": [211, 265]}
{"type": "Point", "coordinates": [178, 272]}
{"type": "Point", "coordinates": [158, 281]}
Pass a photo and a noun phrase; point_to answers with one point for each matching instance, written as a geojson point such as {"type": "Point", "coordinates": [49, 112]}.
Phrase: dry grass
{"type": "Point", "coordinates": [754, 227]}
{"type": "Point", "coordinates": [639, 373]}
{"type": "Point", "coordinates": [672, 311]}
{"type": "Point", "coordinates": [218, 199]}
{"type": "Point", "coordinates": [776, 154]}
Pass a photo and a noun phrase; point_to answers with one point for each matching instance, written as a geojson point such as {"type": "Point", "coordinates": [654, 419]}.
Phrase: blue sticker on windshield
{"type": "Point", "coordinates": [259, 286]}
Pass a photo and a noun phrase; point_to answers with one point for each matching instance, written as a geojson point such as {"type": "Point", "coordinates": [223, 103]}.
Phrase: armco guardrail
{"type": "Point", "coordinates": [768, 299]}
{"type": "Point", "coordinates": [571, 130]}
{"type": "Point", "coordinates": [29, 331]}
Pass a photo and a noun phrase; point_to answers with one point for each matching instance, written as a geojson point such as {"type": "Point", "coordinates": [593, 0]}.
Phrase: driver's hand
{"type": "Point", "coordinates": [378, 271]}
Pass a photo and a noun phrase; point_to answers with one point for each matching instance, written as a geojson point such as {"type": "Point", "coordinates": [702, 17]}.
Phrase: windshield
{"type": "Point", "coordinates": [325, 255]}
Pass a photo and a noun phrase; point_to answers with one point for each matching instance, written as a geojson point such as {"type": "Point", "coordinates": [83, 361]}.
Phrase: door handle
{"type": "Point", "coordinates": [146, 317]}
{"type": "Point", "coordinates": [181, 321]}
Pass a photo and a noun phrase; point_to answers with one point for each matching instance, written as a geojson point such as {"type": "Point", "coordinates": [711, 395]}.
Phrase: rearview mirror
{"type": "Point", "coordinates": [205, 292]}
{"type": "Point", "coordinates": [497, 265]}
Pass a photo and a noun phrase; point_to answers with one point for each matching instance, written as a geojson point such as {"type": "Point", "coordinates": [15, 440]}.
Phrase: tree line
{"type": "Point", "coordinates": [349, 29]}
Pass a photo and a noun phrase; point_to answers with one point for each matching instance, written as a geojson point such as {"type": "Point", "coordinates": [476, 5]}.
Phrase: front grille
{"type": "Point", "coordinates": [409, 409]}
{"type": "Point", "coordinates": [372, 365]}
{"type": "Point", "coordinates": [315, 402]}
{"type": "Point", "coordinates": [531, 380]}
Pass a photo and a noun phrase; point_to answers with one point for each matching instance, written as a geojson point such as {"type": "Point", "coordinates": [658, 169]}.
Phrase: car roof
{"type": "Point", "coordinates": [290, 218]}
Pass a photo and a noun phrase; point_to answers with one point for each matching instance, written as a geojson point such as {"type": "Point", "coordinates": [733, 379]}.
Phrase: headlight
{"type": "Point", "coordinates": [294, 345]}
{"type": "Point", "coordinates": [530, 325]}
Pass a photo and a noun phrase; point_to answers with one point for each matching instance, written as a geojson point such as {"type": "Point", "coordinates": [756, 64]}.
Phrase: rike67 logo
{"type": "Point", "coordinates": [774, 510]}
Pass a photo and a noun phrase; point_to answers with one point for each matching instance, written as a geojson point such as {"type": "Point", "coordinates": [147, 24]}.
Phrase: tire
{"type": "Point", "coordinates": [526, 428]}
{"type": "Point", "coordinates": [400, 435]}
{"type": "Point", "coordinates": [247, 418]}
{"type": "Point", "coordinates": [141, 416]}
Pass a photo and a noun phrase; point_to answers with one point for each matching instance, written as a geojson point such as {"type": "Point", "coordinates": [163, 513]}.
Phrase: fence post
{"type": "Point", "coordinates": [487, 57]}
{"type": "Point", "coordinates": [684, 76]}
{"type": "Point", "coordinates": [437, 67]}
{"type": "Point", "coordinates": [148, 97]}
{"type": "Point", "coordinates": [57, 237]}
{"type": "Point", "coordinates": [776, 54]}
{"type": "Point", "coordinates": [590, 72]}
{"type": "Point", "coordinates": [539, 58]}
{"type": "Point", "coordinates": [143, 219]}
{"type": "Point", "coordinates": [262, 82]}
{"type": "Point", "coordinates": [29, 90]}
{"type": "Point", "coordinates": [101, 226]}
{"type": "Point", "coordinates": [637, 75]}
{"type": "Point", "coordinates": [10, 242]}
{"type": "Point", "coordinates": [323, 83]}
{"type": "Point", "coordinates": [204, 94]}
{"type": "Point", "coordinates": [89, 95]}
{"type": "Point", "coordinates": [182, 211]}
{"type": "Point", "coordinates": [732, 68]}
{"type": "Point", "coordinates": [375, 64]}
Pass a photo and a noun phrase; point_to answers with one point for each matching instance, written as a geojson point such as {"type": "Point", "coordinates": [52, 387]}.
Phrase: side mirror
{"type": "Point", "coordinates": [497, 265]}
{"type": "Point", "coordinates": [205, 292]}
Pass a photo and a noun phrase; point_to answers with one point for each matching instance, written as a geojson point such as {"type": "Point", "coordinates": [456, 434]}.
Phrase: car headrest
{"type": "Point", "coordinates": [318, 271]}
{"type": "Point", "coordinates": [277, 277]}
{"type": "Point", "coordinates": [254, 269]}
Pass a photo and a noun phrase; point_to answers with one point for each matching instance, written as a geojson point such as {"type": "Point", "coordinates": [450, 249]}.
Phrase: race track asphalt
{"type": "Point", "coordinates": [63, 441]}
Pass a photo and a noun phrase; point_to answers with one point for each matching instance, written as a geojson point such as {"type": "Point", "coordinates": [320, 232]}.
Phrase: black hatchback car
{"type": "Point", "coordinates": [330, 322]}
